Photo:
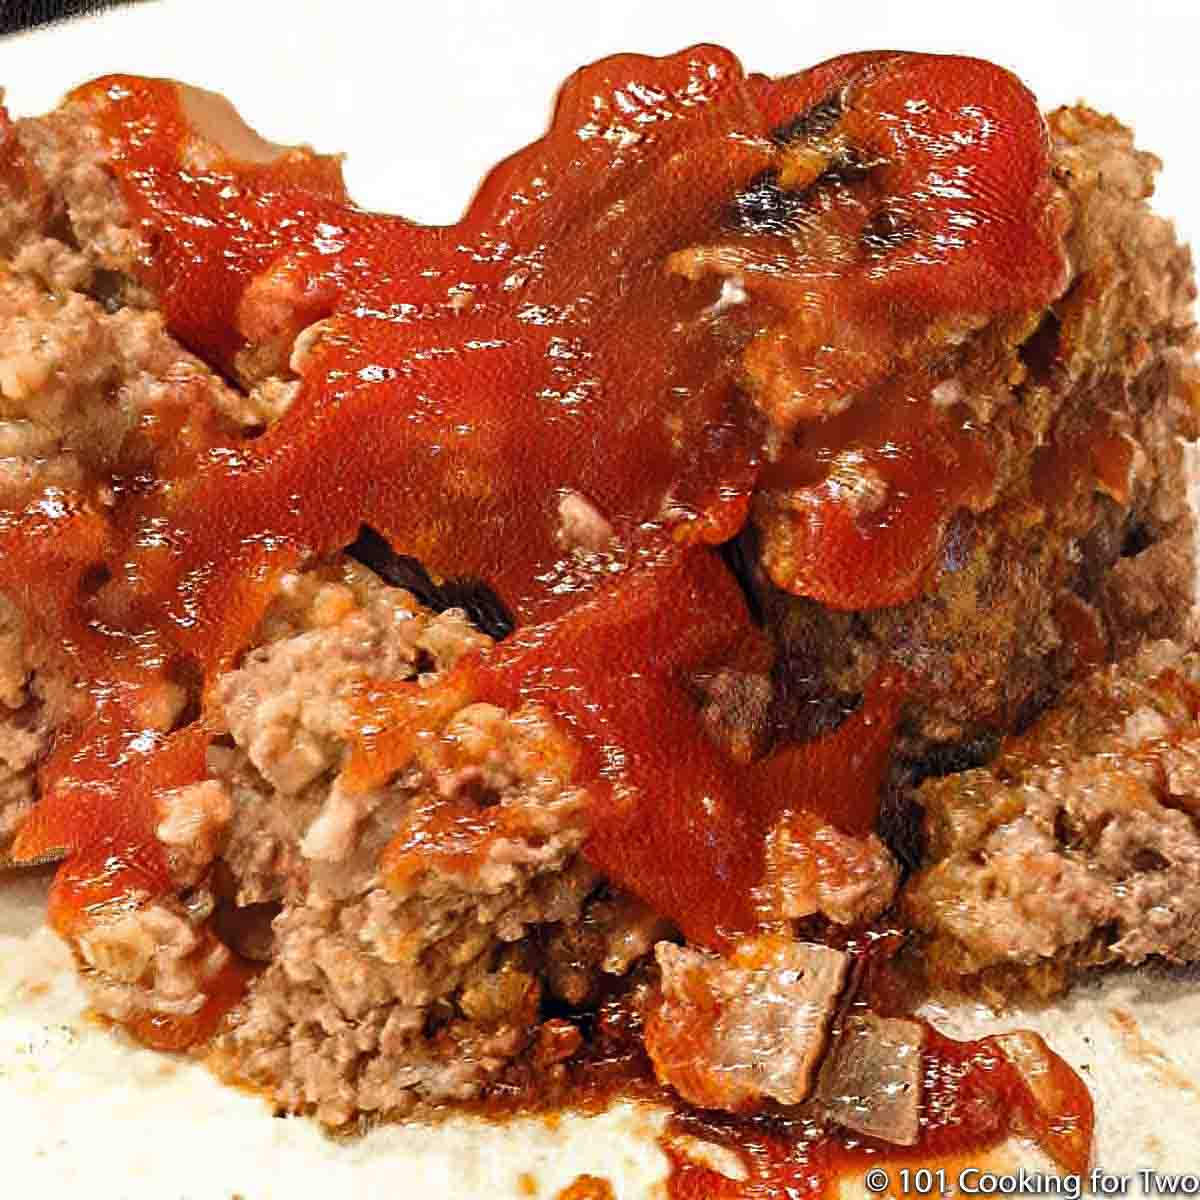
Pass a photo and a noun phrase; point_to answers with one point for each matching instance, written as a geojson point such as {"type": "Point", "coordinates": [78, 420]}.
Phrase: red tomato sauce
{"type": "Point", "coordinates": [973, 1099]}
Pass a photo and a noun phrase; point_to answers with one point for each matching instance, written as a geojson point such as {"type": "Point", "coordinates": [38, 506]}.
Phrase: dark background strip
{"type": "Point", "coordinates": [16, 15]}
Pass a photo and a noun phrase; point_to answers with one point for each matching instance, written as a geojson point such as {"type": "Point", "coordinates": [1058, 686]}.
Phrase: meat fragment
{"type": "Point", "coordinates": [734, 1033]}
{"type": "Point", "coordinates": [1079, 843]}
{"type": "Point", "coordinates": [581, 524]}
{"type": "Point", "coordinates": [21, 741]}
{"type": "Point", "coordinates": [34, 699]}
{"type": "Point", "coordinates": [615, 932]}
{"type": "Point", "coordinates": [192, 821]}
{"type": "Point", "coordinates": [153, 962]}
{"type": "Point", "coordinates": [290, 703]}
{"type": "Point", "coordinates": [871, 1080]}
{"type": "Point", "coordinates": [813, 867]}
{"type": "Point", "coordinates": [92, 388]}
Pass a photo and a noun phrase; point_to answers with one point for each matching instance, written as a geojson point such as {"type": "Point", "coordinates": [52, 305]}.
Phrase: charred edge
{"type": "Point", "coordinates": [901, 817]}
{"type": "Point", "coordinates": [397, 570]}
{"type": "Point", "coordinates": [886, 231]}
{"type": "Point", "coordinates": [486, 611]}
{"type": "Point", "coordinates": [764, 207]}
{"type": "Point", "coordinates": [953, 758]}
{"type": "Point", "coordinates": [814, 122]}
{"type": "Point", "coordinates": [1137, 538]}
{"type": "Point", "coordinates": [901, 827]}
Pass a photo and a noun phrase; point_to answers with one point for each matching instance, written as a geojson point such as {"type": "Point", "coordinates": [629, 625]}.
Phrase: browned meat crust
{"type": "Point", "coordinates": [1043, 580]}
{"type": "Point", "coordinates": [1080, 843]}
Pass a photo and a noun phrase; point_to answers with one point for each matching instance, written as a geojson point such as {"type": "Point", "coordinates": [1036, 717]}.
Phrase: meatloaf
{"type": "Point", "coordinates": [1059, 569]}
{"type": "Point", "coordinates": [413, 640]}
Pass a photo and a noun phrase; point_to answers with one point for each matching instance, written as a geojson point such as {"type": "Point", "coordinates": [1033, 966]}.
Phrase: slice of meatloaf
{"type": "Point", "coordinates": [1082, 408]}
{"type": "Point", "coordinates": [1079, 844]}
{"type": "Point", "coordinates": [385, 986]}
{"type": "Point", "coordinates": [90, 384]}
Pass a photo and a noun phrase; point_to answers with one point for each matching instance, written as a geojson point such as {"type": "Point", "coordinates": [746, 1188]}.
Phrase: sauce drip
{"type": "Point", "coordinates": [672, 817]}
{"type": "Point", "coordinates": [855, 512]}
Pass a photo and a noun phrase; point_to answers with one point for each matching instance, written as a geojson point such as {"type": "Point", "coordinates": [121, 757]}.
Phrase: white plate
{"type": "Point", "coordinates": [424, 98]}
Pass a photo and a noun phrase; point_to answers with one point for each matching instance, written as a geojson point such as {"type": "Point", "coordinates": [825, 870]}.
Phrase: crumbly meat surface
{"type": "Point", "coordinates": [382, 990]}
{"type": "Point", "coordinates": [65, 228]}
{"type": "Point", "coordinates": [21, 739]}
{"type": "Point", "coordinates": [1079, 844]}
{"type": "Point", "coordinates": [374, 998]}
{"type": "Point", "coordinates": [85, 366]}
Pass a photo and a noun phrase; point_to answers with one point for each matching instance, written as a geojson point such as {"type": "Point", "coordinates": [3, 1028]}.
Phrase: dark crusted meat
{"type": "Point", "coordinates": [1086, 545]}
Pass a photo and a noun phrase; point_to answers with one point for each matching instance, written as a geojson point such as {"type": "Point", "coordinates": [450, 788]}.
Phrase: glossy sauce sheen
{"type": "Point", "coordinates": [465, 379]}
{"type": "Point", "coordinates": [975, 1095]}
{"type": "Point", "coordinates": [696, 854]}
{"type": "Point", "coordinates": [973, 1098]}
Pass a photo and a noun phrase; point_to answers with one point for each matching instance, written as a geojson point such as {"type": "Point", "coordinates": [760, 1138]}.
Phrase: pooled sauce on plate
{"type": "Point", "coordinates": [976, 1095]}
{"type": "Point", "coordinates": [973, 1099]}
